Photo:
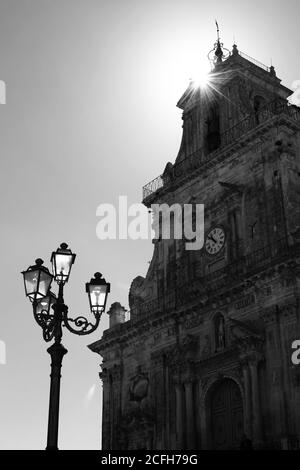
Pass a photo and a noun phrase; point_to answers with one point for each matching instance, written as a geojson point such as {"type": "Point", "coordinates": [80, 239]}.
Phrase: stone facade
{"type": "Point", "coordinates": [205, 358]}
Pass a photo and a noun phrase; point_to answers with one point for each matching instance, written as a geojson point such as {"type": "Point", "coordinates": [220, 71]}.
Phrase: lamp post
{"type": "Point", "coordinates": [51, 313]}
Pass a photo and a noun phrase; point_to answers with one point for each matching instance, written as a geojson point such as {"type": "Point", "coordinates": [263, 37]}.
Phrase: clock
{"type": "Point", "coordinates": [215, 240]}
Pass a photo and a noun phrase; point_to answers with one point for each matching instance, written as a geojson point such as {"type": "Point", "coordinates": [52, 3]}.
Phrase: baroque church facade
{"type": "Point", "coordinates": [205, 360]}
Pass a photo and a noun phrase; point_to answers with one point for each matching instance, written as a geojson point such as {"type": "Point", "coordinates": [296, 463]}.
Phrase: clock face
{"type": "Point", "coordinates": [215, 240]}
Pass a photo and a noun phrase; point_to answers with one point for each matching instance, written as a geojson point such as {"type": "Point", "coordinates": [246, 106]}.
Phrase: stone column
{"type": "Point", "coordinates": [233, 234]}
{"type": "Point", "coordinates": [179, 417]}
{"type": "Point", "coordinates": [190, 416]}
{"type": "Point", "coordinates": [204, 438]}
{"type": "Point", "coordinates": [116, 387]}
{"type": "Point", "coordinates": [257, 431]}
{"type": "Point", "coordinates": [247, 388]}
{"type": "Point", "coordinates": [167, 405]}
{"type": "Point", "coordinates": [105, 410]}
{"type": "Point", "coordinates": [159, 396]}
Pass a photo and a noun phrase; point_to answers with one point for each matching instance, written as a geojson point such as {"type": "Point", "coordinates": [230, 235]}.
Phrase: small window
{"type": "Point", "coordinates": [259, 105]}
{"type": "Point", "coordinates": [213, 139]}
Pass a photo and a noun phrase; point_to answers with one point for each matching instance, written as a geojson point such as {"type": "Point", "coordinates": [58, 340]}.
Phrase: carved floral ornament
{"type": "Point", "coordinates": [114, 372]}
{"type": "Point", "coordinates": [250, 347]}
{"type": "Point", "coordinates": [138, 418]}
{"type": "Point", "coordinates": [283, 143]}
{"type": "Point", "coordinates": [135, 430]}
{"type": "Point", "coordinates": [136, 425]}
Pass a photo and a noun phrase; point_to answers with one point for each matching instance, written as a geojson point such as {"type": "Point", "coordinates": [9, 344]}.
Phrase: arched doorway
{"type": "Point", "coordinates": [226, 411]}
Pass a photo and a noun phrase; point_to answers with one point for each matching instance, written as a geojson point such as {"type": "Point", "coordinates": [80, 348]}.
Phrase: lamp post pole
{"type": "Point", "coordinates": [57, 352]}
{"type": "Point", "coordinates": [37, 281]}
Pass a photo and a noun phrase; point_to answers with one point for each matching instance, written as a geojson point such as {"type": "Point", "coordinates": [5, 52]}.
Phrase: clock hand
{"type": "Point", "coordinates": [210, 237]}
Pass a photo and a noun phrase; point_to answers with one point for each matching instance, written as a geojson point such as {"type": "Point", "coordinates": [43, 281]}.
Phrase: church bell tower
{"type": "Point", "coordinates": [205, 360]}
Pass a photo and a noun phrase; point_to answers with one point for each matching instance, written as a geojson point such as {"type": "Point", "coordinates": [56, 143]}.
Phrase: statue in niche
{"type": "Point", "coordinates": [220, 333]}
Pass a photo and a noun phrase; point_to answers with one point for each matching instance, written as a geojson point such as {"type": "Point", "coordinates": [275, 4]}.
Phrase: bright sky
{"type": "Point", "coordinates": [91, 114]}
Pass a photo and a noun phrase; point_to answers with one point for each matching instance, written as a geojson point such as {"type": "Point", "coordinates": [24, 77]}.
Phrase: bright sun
{"type": "Point", "coordinates": [201, 76]}
{"type": "Point", "coordinates": [201, 80]}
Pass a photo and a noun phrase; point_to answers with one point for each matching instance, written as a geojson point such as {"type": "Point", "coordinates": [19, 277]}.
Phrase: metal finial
{"type": "Point", "coordinates": [218, 30]}
{"type": "Point", "coordinates": [218, 51]}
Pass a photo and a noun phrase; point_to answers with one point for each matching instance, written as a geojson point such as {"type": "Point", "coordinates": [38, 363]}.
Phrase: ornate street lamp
{"type": "Point", "coordinates": [37, 281]}
{"type": "Point", "coordinates": [62, 260]}
{"type": "Point", "coordinates": [51, 314]}
{"type": "Point", "coordinates": [97, 290]}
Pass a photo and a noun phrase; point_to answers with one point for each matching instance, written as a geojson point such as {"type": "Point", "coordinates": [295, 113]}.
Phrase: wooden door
{"type": "Point", "coordinates": [227, 416]}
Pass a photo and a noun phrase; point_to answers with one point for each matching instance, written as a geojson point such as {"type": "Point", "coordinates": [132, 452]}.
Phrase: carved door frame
{"type": "Point", "coordinates": [206, 390]}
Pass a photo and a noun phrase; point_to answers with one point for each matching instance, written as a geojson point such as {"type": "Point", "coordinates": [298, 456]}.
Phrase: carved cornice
{"type": "Point", "coordinates": [247, 327]}
{"type": "Point", "coordinates": [231, 187]}
{"type": "Point", "coordinates": [199, 298]}
{"type": "Point", "coordinates": [213, 360]}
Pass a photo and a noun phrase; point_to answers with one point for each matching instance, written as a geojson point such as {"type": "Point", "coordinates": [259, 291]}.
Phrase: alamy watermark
{"type": "Point", "coordinates": [295, 357]}
{"type": "Point", "coordinates": [2, 92]}
{"type": "Point", "coordinates": [161, 221]}
{"type": "Point", "coordinates": [2, 353]}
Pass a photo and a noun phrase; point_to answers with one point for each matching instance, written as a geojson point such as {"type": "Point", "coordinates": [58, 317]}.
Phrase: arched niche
{"type": "Point", "coordinates": [213, 136]}
{"type": "Point", "coordinates": [259, 104]}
